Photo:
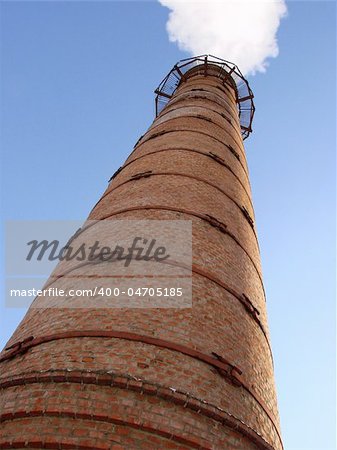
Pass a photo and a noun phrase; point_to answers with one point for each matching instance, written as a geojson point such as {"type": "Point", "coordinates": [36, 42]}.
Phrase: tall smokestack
{"type": "Point", "coordinates": [199, 377]}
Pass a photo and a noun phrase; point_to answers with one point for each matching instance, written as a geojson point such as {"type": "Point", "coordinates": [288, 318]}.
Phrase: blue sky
{"type": "Point", "coordinates": [77, 81]}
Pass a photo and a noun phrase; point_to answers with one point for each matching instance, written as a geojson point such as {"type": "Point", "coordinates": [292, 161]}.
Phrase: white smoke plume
{"type": "Point", "coordinates": [240, 31]}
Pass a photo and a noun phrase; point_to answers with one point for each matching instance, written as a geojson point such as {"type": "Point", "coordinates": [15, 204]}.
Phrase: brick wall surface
{"type": "Point", "coordinates": [115, 393]}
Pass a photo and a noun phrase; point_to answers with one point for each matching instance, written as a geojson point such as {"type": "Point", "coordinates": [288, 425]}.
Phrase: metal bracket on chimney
{"type": "Point", "coordinates": [233, 373]}
{"type": "Point", "coordinates": [247, 216]}
{"type": "Point", "coordinates": [216, 223]}
{"type": "Point", "coordinates": [199, 116]}
{"type": "Point", "coordinates": [249, 306]}
{"type": "Point", "coordinates": [221, 161]}
{"type": "Point", "coordinates": [235, 153]}
{"type": "Point", "coordinates": [228, 75]}
{"type": "Point", "coordinates": [160, 133]}
{"type": "Point", "coordinates": [225, 117]}
{"type": "Point", "coordinates": [140, 175]}
{"type": "Point", "coordinates": [182, 76]}
{"type": "Point", "coordinates": [216, 158]}
{"type": "Point", "coordinates": [164, 94]}
{"type": "Point", "coordinates": [19, 347]}
{"type": "Point", "coordinates": [115, 174]}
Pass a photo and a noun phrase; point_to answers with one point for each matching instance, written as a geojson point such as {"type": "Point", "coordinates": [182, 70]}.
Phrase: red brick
{"type": "Point", "coordinates": [152, 393]}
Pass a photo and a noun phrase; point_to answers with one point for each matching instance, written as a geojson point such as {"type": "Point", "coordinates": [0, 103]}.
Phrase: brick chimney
{"type": "Point", "coordinates": [199, 377]}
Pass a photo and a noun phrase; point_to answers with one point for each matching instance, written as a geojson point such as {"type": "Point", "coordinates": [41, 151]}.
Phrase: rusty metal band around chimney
{"type": "Point", "coordinates": [150, 173]}
{"type": "Point", "coordinates": [205, 217]}
{"type": "Point", "coordinates": [150, 136]}
{"type": "Point", "coordinates": [209, 154]}
{"type": "Point", "coordinates": [225, 144]}
{"type": "Point", "coordinates": [243, 299]}
{"type": "Point", "coordinates": [200, 117]}
{"type": "Point", "coordinates": [141, 386]}
{"type": "Point", "coordinates": [169, 108]}
{"type": "Point", "coordinates": [225, 368]}
{"type": "Point", "coordinates": [202, 94]}
{"type": "Point", "coordinates": [86, 416]}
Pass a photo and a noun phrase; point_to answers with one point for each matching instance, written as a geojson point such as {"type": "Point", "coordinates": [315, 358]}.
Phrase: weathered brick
{"type": "Point", "coordinates": [106, 393]}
